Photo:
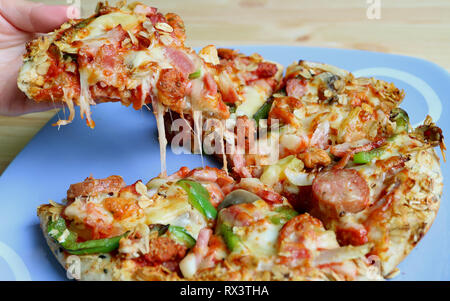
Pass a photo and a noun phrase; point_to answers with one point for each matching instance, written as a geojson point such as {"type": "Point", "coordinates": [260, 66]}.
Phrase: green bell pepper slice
{"type": "Point", "coordinates": [195, 74]}
{"type": "Point", "coordinates": [181, 236]}
{"type": "Point", "coordinates": [56, 230]}
{"type": "Point", "coordinates": [199, 197]}
{"type": "Point", "coordinates": [232, 241]}
{"type": "Point", "coordinates": [263, 111]}
{"type": "Point", "coordinates": [285, 213]}
{"type": "Point", "coordinates": [401, 119]}
{"type": "Point", "coordinates": [366, 157]}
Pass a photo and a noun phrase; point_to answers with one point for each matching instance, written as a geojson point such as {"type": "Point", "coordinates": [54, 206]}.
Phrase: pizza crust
{"type": "Point", "coordinates": [413, 213]}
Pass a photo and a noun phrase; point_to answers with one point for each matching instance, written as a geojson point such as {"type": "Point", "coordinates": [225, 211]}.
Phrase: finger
{"type": "Point", "coordinates": [32, 107]}
{"type": "Point", "coordinates": [33, 17]}
{"type": "Point", "coordinates": [23, 105]}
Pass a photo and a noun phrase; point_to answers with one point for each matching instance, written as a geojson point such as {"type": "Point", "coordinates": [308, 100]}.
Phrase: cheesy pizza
{"type": "Point", "coordinates": [352, 190]}
{"type": "Point", "coordinates": [194, 225]}
{"type": "Point", "coordinates": [351, 158]}
{"type": "Point", "coordinates": [132, 54]}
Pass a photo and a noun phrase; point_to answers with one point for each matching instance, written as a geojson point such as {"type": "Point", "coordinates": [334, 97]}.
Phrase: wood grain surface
{"type": "Point", "coordinates": [411, 27]}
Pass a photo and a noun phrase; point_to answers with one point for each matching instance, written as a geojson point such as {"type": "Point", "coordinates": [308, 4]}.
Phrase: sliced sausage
{"type": "Point", "coordinates": [171, 85]}
{"type": "Point", "coordinates": [122, 208]}
{"type": "Point", "coordinates": [162, 250]}
{"type": "Point", "coordinates": [296, 87]}
{"type": "Point", "coordinates": [340, 191]}
{"type": "Point", "coordinates": [91, 186]}
{"type": "Point", "coordinates": [266, 70]}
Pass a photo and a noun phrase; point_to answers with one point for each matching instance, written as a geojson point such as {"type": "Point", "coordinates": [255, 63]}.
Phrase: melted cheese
{"type": "Point", "coordinates": [138, 58]}
{"type": "Point", "coordinates": [261, 240]}
{"type": "Point", "coordinates": [175, 209]}
{"type": "Point", "coordinates": [254, 99]}
{"type": "Point", "coordinates": [260, 237]}
{"type": "Point", "coordinates": [85, 99]}
{"type": "Point", "coordinates": [100, 25]}
{"type": "Point", "coordinates": [159, 114]}
{"type": "Point", "coordinates": [197, 117]}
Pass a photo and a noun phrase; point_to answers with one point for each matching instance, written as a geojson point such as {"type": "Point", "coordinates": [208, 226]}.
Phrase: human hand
{"type": "Point", "coordinates": [20, 21]}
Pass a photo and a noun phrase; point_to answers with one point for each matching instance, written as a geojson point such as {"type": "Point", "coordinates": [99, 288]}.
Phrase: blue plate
{"type": "Point", "coordinates": [125, 143]}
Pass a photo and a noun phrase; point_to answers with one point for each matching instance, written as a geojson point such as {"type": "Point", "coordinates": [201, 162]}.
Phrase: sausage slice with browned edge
{"type": "Point", "coordinates": [340, 191]}
{"type": "Point", "coordinates": [91, 186]}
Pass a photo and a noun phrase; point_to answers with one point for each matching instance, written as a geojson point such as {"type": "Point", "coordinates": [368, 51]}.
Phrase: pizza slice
{"type": "Point", "coordinates": [246, 83]}
{"type": "Point", "coordinates": [350, 157]}
{"type": "Point", "coordinates": [389, 195]}
{"type": "Point", "coordinates": [132, 54]}
{"type": "Point", "coordinates": [321, 106]}
{"type": "Point", "coordinates": [193, 225]}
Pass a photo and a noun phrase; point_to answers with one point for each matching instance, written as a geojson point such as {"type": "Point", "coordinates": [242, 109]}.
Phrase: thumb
{"type": "Point", "coordinates": [33, 17]}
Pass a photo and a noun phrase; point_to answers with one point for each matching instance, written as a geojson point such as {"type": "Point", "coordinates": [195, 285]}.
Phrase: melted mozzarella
{"type": "Point", "coordinates": [85, 99]}
{"type": "Point", "coordinates": [260, 237]}
{"type": "Point", "coordinates": [175, 209]}
{"type": "Point", "coordinates": [261, 240]}
{"type": "Point", "coordinates": [159, 114]}
{"type": "Point", "coordinates": [138, 58]}
{"type": "Point", "coordinates": [100, 25]}
{"type": "Point", "coordinates": [254, 99]}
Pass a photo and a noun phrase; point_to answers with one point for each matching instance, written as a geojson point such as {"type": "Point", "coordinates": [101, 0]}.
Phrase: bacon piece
{"type": "Point", "coordinates": [180, 60]}
{"type": "Point", "coordinates": [241, 215]}
{"type": "Point", "coordinates": [216, 194]}
{"type": "Point", "coordinates": [210, 84]}
{"type": "Point", "coordinates": [296, 87]}
{"type": "Point", "coordinates": [144, 10]}
{"type": "Point", "coordinates": [201, 246]}
{"type": "Point", "coordinates": [91, 187]}
{"type": "Point", "coordinates": [216, 249]}
{"type": "Point", "coordinates": [157, 18]}
{"type": "Point", "coordinates": [270, 196]}
{"type": "Point", "coordinates": [340, 191]}
{"type": "Point", "coordinates": [210, 174]}
{"type": "Point", "coordinates": [180, 174]}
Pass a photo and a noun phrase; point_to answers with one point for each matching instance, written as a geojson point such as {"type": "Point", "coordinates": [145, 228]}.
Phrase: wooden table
{"type": "Point", "coordinates": [411, 27]}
